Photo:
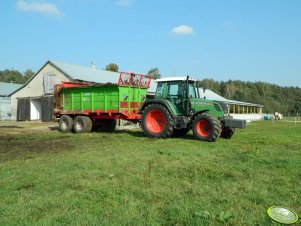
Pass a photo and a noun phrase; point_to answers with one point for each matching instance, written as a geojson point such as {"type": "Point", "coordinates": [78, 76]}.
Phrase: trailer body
{"type": "Point", "coordinates": [120, 101]}
{"type": "Point", "coordinates": [96, 104]}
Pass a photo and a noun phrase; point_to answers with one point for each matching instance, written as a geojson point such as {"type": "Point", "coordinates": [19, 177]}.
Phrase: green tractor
{"type": "Point", "coordinates": [176, 109]}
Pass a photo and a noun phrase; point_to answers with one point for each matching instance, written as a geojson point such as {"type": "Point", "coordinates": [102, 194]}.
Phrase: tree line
{"type": "Point", "coordinates": [274, 98]}
{"type": "Point", "coordinates": [14, 76]}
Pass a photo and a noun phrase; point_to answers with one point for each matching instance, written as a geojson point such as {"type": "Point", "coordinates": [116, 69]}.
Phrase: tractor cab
{"type": "Point", "coordinates": [174, 89]}
{"type": "Point", "coordinates": [183, 94]}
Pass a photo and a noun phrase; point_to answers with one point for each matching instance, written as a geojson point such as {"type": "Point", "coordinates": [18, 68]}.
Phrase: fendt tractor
{"type": "Point", "coordinates": [174, 110]}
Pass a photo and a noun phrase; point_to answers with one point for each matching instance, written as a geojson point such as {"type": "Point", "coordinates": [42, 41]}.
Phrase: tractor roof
{"type": "Point", "coordinates": [169, 79]}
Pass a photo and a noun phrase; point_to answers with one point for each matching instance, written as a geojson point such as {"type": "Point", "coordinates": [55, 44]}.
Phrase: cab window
{"type": "Point", "coordinates": [174, 89]}
{"type": "Point", "coordinates": [159, 91]}
{"type": "Point", "coordinates": [191, 91]}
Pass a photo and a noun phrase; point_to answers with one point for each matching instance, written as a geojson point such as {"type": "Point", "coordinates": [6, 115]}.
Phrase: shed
{"type": "Point", "coordinates": [5, 101]}
{"type": "Point", "coordinates": [34, 100]}
{"type": "Point", "coordinates": [237, 109]}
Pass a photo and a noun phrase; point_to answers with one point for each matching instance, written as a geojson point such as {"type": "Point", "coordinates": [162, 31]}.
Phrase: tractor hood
{"type": "Point", "coordinates": [213, 107]}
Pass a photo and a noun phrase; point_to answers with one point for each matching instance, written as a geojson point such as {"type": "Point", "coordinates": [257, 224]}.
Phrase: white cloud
{"type": "Point", "coordinates": [182, 30]}
{"type": "Point", "coordinates": [124, 2]}
{"type": "Point", "coordinates": [39, 7]}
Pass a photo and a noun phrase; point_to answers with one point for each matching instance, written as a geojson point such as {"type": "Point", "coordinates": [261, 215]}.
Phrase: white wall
{"type": "Point", "coordinates": [35, 87]}
{"type": "Point", "coordinates": [5, 107]}
{"type": "Point", "coordinates": [248, 117]}
{"type": "Point", "coordinates": [35, 109]}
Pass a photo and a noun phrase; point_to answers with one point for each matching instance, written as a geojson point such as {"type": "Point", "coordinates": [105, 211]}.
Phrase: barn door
{"type": "Point", "coordinates": [47, 108]}
{"type": "Point", "coordinates": [23, 109]}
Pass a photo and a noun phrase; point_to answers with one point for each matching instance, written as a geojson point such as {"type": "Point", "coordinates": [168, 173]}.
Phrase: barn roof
{"type": "Point", "coordinates": [82, 73]}
{"type": "Point", "coordinates": [208, 94]}
{"type": "Point", "coordinates": [7, 88]}
{"type": "Point", "coordinates": [89, 74]}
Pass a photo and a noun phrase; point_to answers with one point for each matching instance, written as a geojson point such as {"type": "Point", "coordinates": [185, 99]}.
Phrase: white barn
{"type": "Point", "coordinates": [34, 100]}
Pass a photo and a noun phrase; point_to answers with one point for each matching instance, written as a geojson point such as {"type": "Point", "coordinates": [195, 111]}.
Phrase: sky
{"type": "Point", "coordinates": [249, 40]}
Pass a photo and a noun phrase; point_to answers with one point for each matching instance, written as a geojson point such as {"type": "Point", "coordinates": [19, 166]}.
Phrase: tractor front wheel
{"type": "Point", "coordinates": [227, 132]}
{"type": "Point", "coordinates": [157, 121]}
{"type": "Point", "coordinates": [82, 124]}
{"type": "Point", "coordinates": [206, 127]}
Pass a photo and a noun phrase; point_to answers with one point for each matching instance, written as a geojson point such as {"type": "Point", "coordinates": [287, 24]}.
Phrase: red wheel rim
{"type": "Point", "coordinates": [203, 128]}
{"type": "Point", "coordinates": [155, 121]}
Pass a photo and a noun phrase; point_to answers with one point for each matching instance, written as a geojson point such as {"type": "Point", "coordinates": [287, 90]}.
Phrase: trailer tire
{"type": "Point", "coordinates": [82, 124]}
{"type": "Point", "coordinates": [65, 124]}
{"type": "Point", "coordinates": [206, 127]}
{"type": "Point", "coordinates": [156, 121]}
{"type": "Point", "coordinates": [227, 132]}
{"type": "Point", "coordinates": [180, 132]}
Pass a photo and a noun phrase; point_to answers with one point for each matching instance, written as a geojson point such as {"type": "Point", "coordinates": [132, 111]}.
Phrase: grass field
{"type": "Point", "coordinates": [124, 178]}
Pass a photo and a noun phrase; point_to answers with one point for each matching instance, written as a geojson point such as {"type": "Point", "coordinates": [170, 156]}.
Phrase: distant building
{"type": "Point", "coordinates": [5, 101]}
{"type": "Point", "coordinates": [237, 109]}
{"type": "Point", "coordinates": [34, 100]}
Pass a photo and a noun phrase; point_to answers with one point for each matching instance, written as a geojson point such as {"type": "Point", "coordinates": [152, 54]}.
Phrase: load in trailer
{"type": "Point", "coordinates": [174, 110]}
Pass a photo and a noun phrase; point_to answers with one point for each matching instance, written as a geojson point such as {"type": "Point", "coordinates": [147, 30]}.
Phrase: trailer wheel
{"type": "Point", "coordinates": [180, 132]}
{"type": "Point", "coordinates": [206, 127]}
{"type": "Point", "coordinates": [105, 125]}
{"type": "Point", "coordinates": [65, 123]}
{"type": "Point", "coordinates": [157, 121]}
{"type": "Point", "coordinates": [82, 124]}
{"type": "Point", "coordinates": [227, 132]}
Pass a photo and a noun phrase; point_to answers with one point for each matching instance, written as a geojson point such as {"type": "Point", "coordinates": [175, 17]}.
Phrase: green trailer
{"type": "Point", "coordinates": [82, 106]}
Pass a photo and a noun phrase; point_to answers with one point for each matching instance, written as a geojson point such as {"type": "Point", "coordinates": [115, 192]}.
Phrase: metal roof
{"type": "Point", "coordinates": [7, 88]}
{"type": "Point", "coordinates": [175, 79]}
{"type": "Point", "coordinates": [77, 72]}
{"type": "Point", "coordinates": [208, 94]}
{"type": "Point", "coordinates": [89, 74]}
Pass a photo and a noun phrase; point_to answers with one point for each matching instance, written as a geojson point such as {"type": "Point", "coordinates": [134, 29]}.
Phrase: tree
{"type": "Point", "coordinates": [112, 67]}
{"type": "Point", "coordinates": [27, 75]}
{"type": "Point", "coordinates": [15, 76]}
{"type": "Point", "coordinates": [12, 75]}
{"type": "Point", "coordinates": [154, 73]}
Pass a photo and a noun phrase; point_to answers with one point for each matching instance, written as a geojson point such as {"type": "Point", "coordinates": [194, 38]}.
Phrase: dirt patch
{"type": "Point", "coordinates": [11, 148]}
{"type": "Point", "coordinates": [13, 127]}
{"type": "Point", "coordinates": [23, 140]}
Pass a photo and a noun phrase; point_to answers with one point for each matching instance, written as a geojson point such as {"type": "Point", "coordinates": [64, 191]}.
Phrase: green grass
{"type": "Point", "coordinates": [124, 178]}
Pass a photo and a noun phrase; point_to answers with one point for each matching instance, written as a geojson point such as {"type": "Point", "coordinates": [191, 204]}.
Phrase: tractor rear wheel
{"type": "Point", "coordinates": [82, 124]}
{"type": "Point", "coordinates": [206, 127]}
{"type": "Point", "coordinates": [157, 121]}
{"type": "Point", "coordinates": [227, 132]}
{"type": "Point", "coordinates": [180, 132]}
{"type": "Point", "coordinates": [65, 123]}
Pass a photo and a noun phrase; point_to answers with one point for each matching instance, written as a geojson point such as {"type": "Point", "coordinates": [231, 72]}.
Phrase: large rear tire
{"type": "Point", "coordinates": [227, 132]}
{"type": "Point", "coordinates": [65, 124]}
{"type": "Point", "coordinates": [82, 124]}
{"type": "Point", "coordinates": [206, 127]}
{"type": "Point", "coordinates": [157, 121]}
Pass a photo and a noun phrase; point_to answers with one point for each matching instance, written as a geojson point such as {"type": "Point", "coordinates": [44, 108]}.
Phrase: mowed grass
{"type": "Point", "coordinates": [124, 178]}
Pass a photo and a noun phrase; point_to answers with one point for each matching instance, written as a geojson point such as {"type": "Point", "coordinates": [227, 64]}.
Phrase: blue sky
{"type": "Point", "coordinates": [249, 40]}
